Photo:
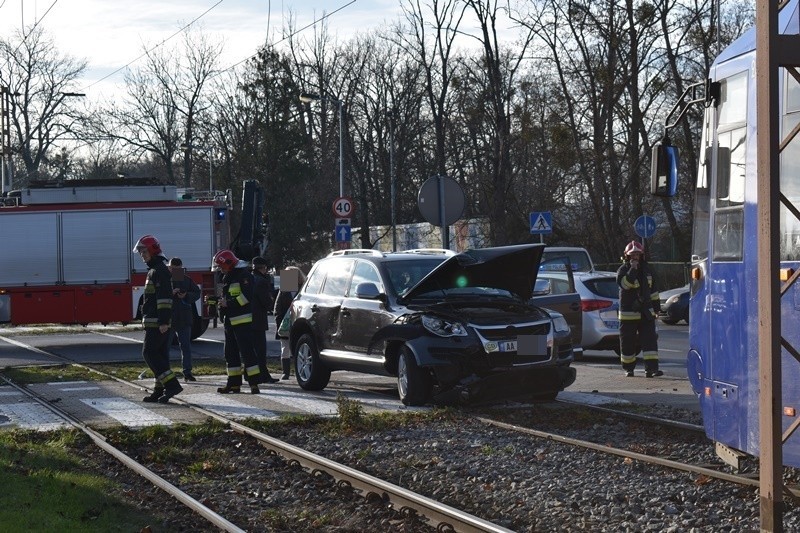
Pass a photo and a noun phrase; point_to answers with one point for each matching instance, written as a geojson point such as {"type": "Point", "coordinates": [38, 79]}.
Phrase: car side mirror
{"type": "Point", "coordinates": [541, 287]}
{"type": "Point", "coordinates": [369, 291]}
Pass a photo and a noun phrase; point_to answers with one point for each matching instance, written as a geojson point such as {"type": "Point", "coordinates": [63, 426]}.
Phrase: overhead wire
{"type": "Point", "coordinates": [129, 63]}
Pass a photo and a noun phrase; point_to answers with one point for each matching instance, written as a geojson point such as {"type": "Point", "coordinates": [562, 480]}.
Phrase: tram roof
{"type": "Point", "coordinates": [788, 24]}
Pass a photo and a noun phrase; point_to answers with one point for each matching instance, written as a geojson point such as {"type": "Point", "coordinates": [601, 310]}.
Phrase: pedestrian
{"type": "Point", "coordinates": [156, 317]}
{"type": "Point", "coordinates": [236, 306]}
{"type": "Point", "coordinates": [639, 305]}
{"type": "Point", "coordinates": [292, 278]}
{"type": "Point", "coordinates": [262, 305]}
{"type": "Point", "coordinates": [185, 293]}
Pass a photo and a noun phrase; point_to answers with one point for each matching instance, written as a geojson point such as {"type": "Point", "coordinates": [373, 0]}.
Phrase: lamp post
{"type": "Point", "coordinates": [189, 147]}
{"type": "Point", "coordinates": [307, 98]}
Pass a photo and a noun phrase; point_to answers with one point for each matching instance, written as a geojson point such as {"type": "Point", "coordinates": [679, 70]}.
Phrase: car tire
{"type": "Point", "coordinates": [669, 321]}
{"type": "Point", "coordinates": [311, 373]}
{"type": "Point", "coordinates": [414, 385]}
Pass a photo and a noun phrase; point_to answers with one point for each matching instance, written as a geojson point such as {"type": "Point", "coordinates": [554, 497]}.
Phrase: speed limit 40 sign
{"type": "Point", "coordinates": [343, 207]}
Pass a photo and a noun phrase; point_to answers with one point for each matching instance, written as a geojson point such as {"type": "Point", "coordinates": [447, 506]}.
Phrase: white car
{"type": "Point", "coordinates": [599, 294]}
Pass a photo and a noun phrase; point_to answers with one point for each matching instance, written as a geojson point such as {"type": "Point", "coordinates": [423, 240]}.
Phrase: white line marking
{"type": "Point", "coordinates": [119, 337]}
{"type": "Point", "coordinates": [68, 389]}
{"type": "Point", "coordinates": [32, 416]}
{"type": "Point", "coordinates": [227, 406]}
{"type": "Point", "coordinates": [126, 412]}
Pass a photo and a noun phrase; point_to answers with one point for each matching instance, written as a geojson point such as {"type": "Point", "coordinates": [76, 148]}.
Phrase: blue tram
{"type": "Point", "coordinates": [722, 361]}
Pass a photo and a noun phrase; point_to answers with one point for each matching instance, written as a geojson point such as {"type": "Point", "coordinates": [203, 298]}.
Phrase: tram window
{"type": "Point", "coordinates": [733, 100]}
{"type": "Point", "coordinates": [731, 168]}
{"type": "Point", "coordinates": [728, 235]}
{"type": "Point", "coordinates": [792, 92]}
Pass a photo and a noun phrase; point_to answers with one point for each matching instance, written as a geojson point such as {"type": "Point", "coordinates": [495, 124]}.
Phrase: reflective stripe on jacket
{"type": "Point", "coordinates": [637, 292]}
{"type": "Point", "coordinates": [237, 289]}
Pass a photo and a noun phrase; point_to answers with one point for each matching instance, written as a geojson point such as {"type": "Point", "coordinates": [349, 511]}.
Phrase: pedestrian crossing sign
{"type": "Point", "coordinates": [541, 222]}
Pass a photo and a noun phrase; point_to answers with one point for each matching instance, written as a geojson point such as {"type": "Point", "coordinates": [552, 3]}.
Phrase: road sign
{"type": "Point", "coordinates": [435, 207]}
{"type": "Point", "coordinates": [645, 226]}
{"type": "Point", "coordinates": [541, 222]}
{"type": "Point", "coordinates": [343, 207]}
{"type": "Point", "coordinates": [343, 222]}
{"type": "Point", "coordinates": [342, 233]}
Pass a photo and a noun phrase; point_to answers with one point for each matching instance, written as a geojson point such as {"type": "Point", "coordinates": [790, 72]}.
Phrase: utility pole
{"type": "Point", "coordinates": [5, 141]}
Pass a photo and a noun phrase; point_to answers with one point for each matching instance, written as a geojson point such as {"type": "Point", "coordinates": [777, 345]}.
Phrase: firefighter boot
{"type": "Point", "coordinates": [171, 388]}
{"type": "Point", "coordinates": [286, 365]}
{"type": "Point", "coordinates": [156, 394]}
{"type": "Point", "coordinates": [629, 368]}
{"type": "Point", "coordinates": [651, 369]}
{"type": "Point", "coordinates": [233, 386]}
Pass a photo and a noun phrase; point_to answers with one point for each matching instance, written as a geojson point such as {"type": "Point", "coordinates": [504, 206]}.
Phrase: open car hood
{"type": "Point", "coordinates": [511, 268]}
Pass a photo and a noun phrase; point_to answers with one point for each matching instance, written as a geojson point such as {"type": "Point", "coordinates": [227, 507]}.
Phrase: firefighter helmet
{"type": "Point", "coordinates": [225, 260]}
{"type": "Point", "coordinates": [149, 243]}
{"type": "Point", "coordinates": [634, 248]}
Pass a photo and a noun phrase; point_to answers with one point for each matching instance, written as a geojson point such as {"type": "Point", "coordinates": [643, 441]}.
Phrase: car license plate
{"type": "Point", "coordinates": [612, 324]}
{"type": "Point", "coordinates": [508, 346]}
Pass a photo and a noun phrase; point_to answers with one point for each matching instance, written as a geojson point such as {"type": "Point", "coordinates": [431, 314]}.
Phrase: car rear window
{"type": "Point", "coordinates": [605, 287]}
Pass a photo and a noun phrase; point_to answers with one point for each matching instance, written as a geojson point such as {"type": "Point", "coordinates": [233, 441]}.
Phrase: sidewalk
{"type": "Point", "coordinates": [600, 385]}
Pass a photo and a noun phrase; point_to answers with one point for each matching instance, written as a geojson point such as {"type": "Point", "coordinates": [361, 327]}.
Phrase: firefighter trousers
{"type": "Point", "coordinates": [636, 335]}
{"type": "Point", "coordinates": [155, 352]}
{"type": "Point", "coordinates": [240, 352]}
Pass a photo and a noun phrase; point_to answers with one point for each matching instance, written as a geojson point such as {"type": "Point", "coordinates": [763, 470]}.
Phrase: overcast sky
{"type": "Point", "coordinates": [110, 34]}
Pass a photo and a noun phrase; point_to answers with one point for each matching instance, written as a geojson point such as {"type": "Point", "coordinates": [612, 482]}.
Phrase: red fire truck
{"type": "Point", "coordinates": [67, 257]}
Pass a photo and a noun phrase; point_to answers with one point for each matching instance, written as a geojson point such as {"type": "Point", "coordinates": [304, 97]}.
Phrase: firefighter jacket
{"type": "Point", "coordinates": [237, 290]}
{"type": "Point", "coordinates": [157, 299]}
{"type": "Point", "coordinates": [638, 296]}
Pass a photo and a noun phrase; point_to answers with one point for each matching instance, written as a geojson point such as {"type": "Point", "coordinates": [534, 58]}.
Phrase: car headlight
{"type": "Point", "coordinates": [672, 299]}
{"type": "Point", "coordinates": [444, 328]}
{"type": "Point", "coordinates": [560, 323]}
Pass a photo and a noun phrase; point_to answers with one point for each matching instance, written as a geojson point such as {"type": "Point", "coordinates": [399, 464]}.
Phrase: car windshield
{"type": "Point", "coordinates": [405, 274]}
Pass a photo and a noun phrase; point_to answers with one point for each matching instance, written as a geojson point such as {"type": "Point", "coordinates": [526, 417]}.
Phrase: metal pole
{"type": "Point", "coordinates": [341, 147]}
{"type": "Point", "coordinates": [210, 176]}
{"type": "Point", "coordinates": [392, 180]}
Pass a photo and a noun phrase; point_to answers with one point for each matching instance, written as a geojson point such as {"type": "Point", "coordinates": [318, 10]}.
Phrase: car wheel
{"type": "Point", "coordinates": [311, 373]}
{"type": "Point", "coordinates": [413, 383]}
{"type": "Point", "coordinates": [686, 318]}
{"type": "Point", "coordinates": [669, 321]}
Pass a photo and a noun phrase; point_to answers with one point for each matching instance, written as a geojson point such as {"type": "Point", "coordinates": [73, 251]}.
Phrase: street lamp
{"type": "Point", "coordinates": [188, 147]}
{"type": "Point", "coordinates": [307, 98]}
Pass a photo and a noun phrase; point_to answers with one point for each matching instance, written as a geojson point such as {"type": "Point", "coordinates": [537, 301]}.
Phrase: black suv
{"type": "Point", "coordinates": [451, 327]}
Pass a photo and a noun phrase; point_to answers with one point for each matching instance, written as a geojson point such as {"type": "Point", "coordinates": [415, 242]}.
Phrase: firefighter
{"type": "Point", "coordinates": [156, 316]}
{"type": "Point", "coordinates": [639, 305]}
{"type": "Point", "coordinates": [235, 305]}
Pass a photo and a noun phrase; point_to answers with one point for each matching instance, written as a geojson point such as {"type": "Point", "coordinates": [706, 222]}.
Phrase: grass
{"type": "Point", "coordinates": [49, 488]}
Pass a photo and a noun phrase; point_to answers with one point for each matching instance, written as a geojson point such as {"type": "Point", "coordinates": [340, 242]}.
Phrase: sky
{"type": "Point", "coordinates": [111, 34]}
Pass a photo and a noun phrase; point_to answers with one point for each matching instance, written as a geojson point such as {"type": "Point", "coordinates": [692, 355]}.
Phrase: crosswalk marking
{"type": "Point", "coordinates": [126, 412]}
{"type": "Point", "coordinates": [10, 393]}
{"type": "Point", "coordinates": [28, 415]}
{"type": "Point", "coordinates": [227, 406]}
{"type": "Point", "coordinates": [70, 389]}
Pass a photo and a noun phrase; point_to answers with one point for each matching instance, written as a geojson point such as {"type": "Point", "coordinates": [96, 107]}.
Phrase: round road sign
{"type": "Point", "coordinates": [343, 207]}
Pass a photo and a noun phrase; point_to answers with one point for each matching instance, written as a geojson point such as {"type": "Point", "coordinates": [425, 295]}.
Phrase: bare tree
{"type": "Point", "coordinates": [39, 79]}
{"type": "Point", "coordinates": [164, 98]}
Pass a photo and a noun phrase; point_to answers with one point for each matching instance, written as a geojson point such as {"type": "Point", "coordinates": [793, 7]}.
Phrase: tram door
{"type": "Point", "coordinates": [729, 284]}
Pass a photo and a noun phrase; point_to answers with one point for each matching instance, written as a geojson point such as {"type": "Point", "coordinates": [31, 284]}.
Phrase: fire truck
{"type": "Point", "coordinates": [67, 255]}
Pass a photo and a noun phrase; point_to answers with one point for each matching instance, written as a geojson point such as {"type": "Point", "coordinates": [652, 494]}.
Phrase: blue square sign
{"type": "Point", "coordinates": [541, 222]}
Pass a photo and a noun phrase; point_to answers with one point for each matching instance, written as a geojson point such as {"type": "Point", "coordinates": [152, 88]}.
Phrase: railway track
{"type": "Point", "coordinates": [457, 463]}
{"type": "Point", "coordinates": [430, 513]}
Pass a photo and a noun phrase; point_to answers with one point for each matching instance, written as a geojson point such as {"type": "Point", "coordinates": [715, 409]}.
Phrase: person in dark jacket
{"type": "Point", "coordinates": [288, 290]}
{"type": "Point", "coordinates": [262, 305]}
{"type": "Point", "coordinates": [185, 293]}
{"type": "Point", "coordinates": [236, 305]}
{"type": "Point", "coordinates": [639, 305]}
{"type": "Point", "coordinates": [156, 317]}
